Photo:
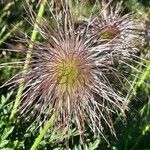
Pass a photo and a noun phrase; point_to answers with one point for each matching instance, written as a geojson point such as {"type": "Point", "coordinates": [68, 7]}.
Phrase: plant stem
{"type": "Point", "coordinates": [145, 74]}
{"type": "Point", "coordinates": [48, 124]}
{"type": "Point", "coordinates": [145, 130]}
{"type": "Point", "coordinates": [5, 10]}
{"type": "Point", "coordinates": [28, 57]}
{"type": "Point", "coordinates": [138, 82]}
{"type": "Point", "coordinates": [10, 32]}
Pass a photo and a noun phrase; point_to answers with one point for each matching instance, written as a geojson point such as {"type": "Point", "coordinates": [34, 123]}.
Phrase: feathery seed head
{"type": "Point", "coordinates": [66, 76]}
{"type": "Point", "coordinates": [110, 25]}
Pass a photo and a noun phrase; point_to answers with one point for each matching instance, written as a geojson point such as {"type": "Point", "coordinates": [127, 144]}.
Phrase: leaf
{"type": "Point", "coordinates": [3, 143]}
{"type": "Point", "coordinates": [5, 99]}
{"type": "Point", "coordinates": [7, 149]}
{"type": "Point", "coordinates": [94, 146]}
{"type": "Point", "coordinates": [7, 132]}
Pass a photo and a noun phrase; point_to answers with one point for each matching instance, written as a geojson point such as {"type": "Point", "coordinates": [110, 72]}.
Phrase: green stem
{"type": "Point", "coordinates": [145, 74]}
{"type": "Point", "coordinates": [28, 57]}
{"type": "Point", "coordinates": [138, 82]}
{"type": "Point", "coordinates": [145, 130]}
{"type": "Point", "coordinates": [48, 124]}
{"type": "Point", "coordinates": [5, 10]}
{"type": "Point", "coordinates": [10, 32]}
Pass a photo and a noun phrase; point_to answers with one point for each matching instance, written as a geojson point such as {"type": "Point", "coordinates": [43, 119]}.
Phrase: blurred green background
{"type": "Point", "coordinates": [133, 133]}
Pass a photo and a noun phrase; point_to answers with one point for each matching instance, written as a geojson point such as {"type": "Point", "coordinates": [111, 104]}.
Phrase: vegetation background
{"type": "Point", "coordinates": [133, 133]}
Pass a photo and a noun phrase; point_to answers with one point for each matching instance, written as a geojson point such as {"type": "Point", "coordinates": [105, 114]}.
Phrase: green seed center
{"type": "Point", "coordinates": [109, 33]}
{"type": "Point", "coordinates": [68, 75]}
